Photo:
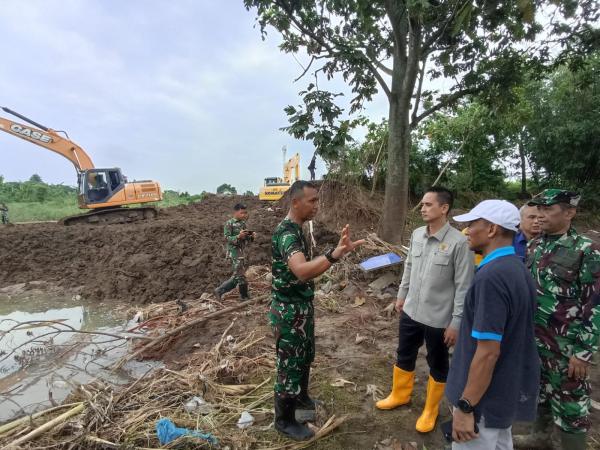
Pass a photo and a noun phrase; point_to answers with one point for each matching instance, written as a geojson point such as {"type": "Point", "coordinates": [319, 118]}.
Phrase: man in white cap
{"type": "Point", "coordinates": [494, 375]}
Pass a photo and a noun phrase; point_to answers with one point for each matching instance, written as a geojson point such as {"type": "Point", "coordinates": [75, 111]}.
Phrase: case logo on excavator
{"type": "Point", "coordinates": [28, 132]}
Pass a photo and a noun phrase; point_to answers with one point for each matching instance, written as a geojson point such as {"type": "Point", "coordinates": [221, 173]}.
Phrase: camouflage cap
{"type": "Point", "coordinates": [550, 197]}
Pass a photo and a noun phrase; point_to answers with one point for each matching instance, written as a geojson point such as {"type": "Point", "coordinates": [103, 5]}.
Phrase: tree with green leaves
{"type": "Point", "coordinates": [227, 189]}
{"type": "Point", "coordinates": [394, 45]}
{"type": "Point", "coordinates": [562, 136]}
{"type": "Point", "coordinates": [35, 178]}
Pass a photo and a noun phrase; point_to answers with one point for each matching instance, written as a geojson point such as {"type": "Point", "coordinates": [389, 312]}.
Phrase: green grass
{"type": "Point", "coordinates": [39, 211]}
{"type": "Point", "coordinates": [67, 206]}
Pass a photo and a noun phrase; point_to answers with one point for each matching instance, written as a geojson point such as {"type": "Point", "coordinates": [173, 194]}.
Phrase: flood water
{"type": "Point", "coordinates": [42, 362]}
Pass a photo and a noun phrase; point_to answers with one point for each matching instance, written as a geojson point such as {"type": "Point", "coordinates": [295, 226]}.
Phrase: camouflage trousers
{"type": "Point", "coordinates": [4, 215]}
{"type": "Point", "coordinates": [238, 267]}
{"type": "Point", "coordinates": [568, 398]}
{"type": "Point", "coordinates": [293, 325]}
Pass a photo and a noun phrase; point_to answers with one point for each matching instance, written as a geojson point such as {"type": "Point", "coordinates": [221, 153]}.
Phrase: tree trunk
{"type": "Point", "coordinates": [523, 166]}
{"type": "Point", "coordinates": [396, 184]}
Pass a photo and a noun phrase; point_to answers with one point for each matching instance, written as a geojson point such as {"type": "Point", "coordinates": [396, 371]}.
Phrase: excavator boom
{"type": "Point", "coordinates": [47, 138]}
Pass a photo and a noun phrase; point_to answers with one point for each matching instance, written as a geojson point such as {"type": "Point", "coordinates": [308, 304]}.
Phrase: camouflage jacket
{"type": "Point", "coordinates": [231, 230]}
{"type": "Point", "coordinates": [566, 271]}
{"type": "Point", "coordinates": [287, 240]}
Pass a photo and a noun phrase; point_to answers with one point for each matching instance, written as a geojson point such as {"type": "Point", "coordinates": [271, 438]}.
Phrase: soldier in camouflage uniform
{"type": "Point", "coordinates": [566, 269]}
{"type": "Point", "coordinates": [237, 237]}
{"type": "Point", "coordinates": [4, 213]}
{"type": "Point", "coordinates": [291, 314]}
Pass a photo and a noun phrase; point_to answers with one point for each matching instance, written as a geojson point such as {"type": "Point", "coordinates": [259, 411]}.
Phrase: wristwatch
{"type": "Point", "coordinates": [329, 256]}
{"type": "Point", "coordinates": [465, 406]}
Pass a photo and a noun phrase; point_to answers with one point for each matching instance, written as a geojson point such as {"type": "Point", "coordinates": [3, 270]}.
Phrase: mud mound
{"type": "Point", "coordinates": [178, 255]}
{"type": "Point", "coordinates": [341, 204]}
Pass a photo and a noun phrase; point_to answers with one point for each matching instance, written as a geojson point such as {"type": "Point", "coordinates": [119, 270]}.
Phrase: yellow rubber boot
{"type": "Point", "coordinates": [435, 392]}
{"type": "Point", "coordinates": [402, 386]}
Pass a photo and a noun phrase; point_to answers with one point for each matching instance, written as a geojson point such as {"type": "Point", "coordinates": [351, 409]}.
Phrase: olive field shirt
{"type": "Point", "coordinates": [437, 274]}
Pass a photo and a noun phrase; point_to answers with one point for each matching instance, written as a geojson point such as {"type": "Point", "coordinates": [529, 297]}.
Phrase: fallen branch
{"type": "Point", "coordinates": [185, 326]}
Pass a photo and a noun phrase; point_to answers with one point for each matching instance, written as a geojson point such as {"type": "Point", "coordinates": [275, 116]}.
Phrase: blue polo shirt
{"type": "Point", "coordinates": [520, 245]}
{"type": "Point", "coordinates": [500, 306]}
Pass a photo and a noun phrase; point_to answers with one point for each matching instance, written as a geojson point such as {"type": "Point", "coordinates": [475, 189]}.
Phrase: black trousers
{"type": "Point", "coordinates": [410, 338]}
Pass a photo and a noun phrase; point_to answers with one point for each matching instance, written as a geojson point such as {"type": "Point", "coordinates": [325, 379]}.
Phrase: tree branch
{"type": "Point", "coordinates": [419, 89]}
{"type": "Point", "coordinates": [446, 100]}
{"type": "Point", "coordinates": [398, 20]}
{"type": "Point", "coordinates": [333, 52]}
{"type": "Point", "coordinates": [383, 68]}
{"type": "Point", "coordinates": [305, 69]}
{"type": "Point", "coordinates": [435, 36]}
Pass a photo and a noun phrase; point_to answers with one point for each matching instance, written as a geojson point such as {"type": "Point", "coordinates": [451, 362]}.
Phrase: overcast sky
{"type": "Point", "coordinates": [183, 92]}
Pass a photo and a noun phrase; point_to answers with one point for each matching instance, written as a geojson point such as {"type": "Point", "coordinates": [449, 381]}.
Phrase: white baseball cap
{"type": "Point", "coordinates": [499, 212]}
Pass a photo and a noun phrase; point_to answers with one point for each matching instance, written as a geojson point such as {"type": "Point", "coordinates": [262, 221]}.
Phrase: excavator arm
{"type": "Point", "coordinates": [291, 169]}
{"type": "Point", "coordinates": [104, 191]}
{"type": "Point", "coordinates": [47, 138]}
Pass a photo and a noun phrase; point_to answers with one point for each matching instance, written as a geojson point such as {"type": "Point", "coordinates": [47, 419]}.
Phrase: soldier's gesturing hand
{"type": "Point", "coordinates": [577, 368]}
{"type": "Point", "coordinates": [346, 245]}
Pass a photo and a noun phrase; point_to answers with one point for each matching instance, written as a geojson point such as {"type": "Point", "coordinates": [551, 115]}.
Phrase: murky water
{"type": "Point", "coordinates": [42, 362]}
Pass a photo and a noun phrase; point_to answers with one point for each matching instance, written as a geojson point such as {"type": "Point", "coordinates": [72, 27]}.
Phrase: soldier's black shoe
{"type": "Point", "coordinates": [285, 420]}
{"type": "Point", "coordinates": [224, 288]}
{"type": "Point", "coordinates": [244, 292]}
{"type": "Point", "coordinates": [304, 401]}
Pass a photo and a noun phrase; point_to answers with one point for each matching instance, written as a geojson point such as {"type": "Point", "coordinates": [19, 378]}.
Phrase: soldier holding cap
{"type": "Point", "coordinates": [566, 270]}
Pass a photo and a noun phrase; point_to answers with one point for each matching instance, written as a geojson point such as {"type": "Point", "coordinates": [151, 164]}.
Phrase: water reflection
{"type": "Point", "coordinates": [41, 362]}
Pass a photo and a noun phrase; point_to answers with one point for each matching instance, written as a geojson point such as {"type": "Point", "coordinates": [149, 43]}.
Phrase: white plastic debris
{"type": "Point", "coordinates": [138, 317]}
{"type": "Point", "coordinates": [198, 405]}
{"type": "Point", "coordinates": [245, 420]}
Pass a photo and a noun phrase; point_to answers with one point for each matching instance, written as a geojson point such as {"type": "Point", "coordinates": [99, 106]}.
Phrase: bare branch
{"type": "Point", "coordinates": [306, 69]}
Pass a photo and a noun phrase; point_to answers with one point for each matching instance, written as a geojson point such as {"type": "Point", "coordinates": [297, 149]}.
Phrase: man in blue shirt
{"type": "Point", "coordinates": [495, 372]}
{"type": "Point", "coordinates": [529, 228]}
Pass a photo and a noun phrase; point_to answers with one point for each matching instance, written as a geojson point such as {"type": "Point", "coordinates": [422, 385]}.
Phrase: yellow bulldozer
{"type": "Point", "coordinates": [275, 187]}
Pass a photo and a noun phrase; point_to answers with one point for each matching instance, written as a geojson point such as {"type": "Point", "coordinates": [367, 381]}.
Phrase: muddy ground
{"type": "Point", "coordinates": [180, 256]}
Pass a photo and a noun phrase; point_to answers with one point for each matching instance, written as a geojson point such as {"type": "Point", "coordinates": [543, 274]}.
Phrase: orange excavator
{"type": "Point", "coordinates": [105, 192]}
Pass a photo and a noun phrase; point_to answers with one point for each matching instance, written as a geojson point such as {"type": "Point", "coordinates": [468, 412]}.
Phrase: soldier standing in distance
{"type": "Point", "coordinates": [4, 213]}
{"type": "Point", "coordinates": [566, 269]}
{"type": "Point", "coordinates": [291, 314]}
{"type": "Point", "coordinates": [237, 237]}
{"type": "Point", "coordinates": [312, 166]}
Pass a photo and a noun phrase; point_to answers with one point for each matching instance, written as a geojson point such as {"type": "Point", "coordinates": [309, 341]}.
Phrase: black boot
{"type": "Point", "coordinates": [306, 410]}
{"type": "Point", "coordinates": [285, 420]}
{"type": "Point", "coordinates": [244, 292]}
{"type": "Point", "coordinates": [224, 288]}
{"type": "Point", "coordinates": [304, 401]}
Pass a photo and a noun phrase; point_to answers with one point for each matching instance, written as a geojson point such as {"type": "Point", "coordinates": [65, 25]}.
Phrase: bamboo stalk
{"type": "Point", "coordinates": [45, 427]}
{"type": "Point", "coordinates": [25, 419]}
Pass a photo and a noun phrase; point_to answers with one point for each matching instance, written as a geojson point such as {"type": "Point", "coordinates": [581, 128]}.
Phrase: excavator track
{"type": "Point", "coordinates": [112, 216]}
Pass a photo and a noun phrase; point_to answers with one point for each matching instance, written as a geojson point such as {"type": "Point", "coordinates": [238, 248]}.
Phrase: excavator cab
{"type": "Point", "coordinates": [99, 185]}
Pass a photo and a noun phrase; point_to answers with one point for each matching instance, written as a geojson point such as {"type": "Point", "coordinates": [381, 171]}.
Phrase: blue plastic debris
{"type": "Point", "coordinates": [168, 432]}
{"type": "Point", "coordinates": [380, 261]}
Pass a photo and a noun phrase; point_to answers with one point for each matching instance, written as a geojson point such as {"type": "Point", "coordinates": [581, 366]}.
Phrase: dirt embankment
{"type": "Point", "coordinates": [179, 255]}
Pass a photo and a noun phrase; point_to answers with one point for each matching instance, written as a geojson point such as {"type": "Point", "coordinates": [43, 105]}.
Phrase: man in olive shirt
{"type": "Point", "coordinates": [437, 274]}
